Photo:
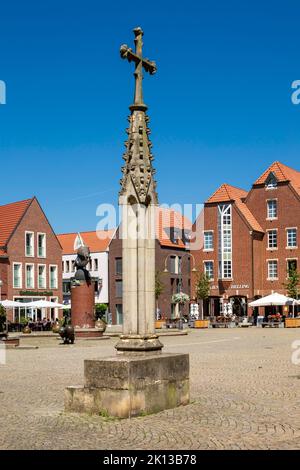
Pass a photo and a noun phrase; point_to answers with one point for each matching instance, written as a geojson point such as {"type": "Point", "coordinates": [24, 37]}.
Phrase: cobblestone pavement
{"type": "Point", "coordinates": [244, 395]}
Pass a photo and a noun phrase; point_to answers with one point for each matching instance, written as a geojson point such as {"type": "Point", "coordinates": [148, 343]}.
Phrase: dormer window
{"type": "Point", "coordinates": [271, 181]}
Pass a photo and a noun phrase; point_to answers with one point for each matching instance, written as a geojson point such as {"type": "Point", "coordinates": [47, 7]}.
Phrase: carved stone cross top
{"type": "Point", "coordinates": [140, 63]}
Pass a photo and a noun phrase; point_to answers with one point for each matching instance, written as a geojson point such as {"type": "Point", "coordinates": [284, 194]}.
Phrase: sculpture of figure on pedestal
{"type": "Point", "coordinates": [81, 262]}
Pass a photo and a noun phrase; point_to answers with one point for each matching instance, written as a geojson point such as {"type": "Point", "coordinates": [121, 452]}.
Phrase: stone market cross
{"type": "Point", "coordinates": [138, 201]}
{"type": "Point", "coordinates": [140, 378]}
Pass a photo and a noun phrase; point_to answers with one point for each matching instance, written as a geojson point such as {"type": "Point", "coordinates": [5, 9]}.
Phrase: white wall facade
{"type": "Point", "coordinates": [98, 271]}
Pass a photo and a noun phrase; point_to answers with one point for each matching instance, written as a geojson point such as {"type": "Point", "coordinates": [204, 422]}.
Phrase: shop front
{"type": "Point", "coordinates": [32, 313]}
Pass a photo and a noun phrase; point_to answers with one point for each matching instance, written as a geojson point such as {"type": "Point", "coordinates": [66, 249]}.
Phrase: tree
{"type": "Point", "coordinates": [2, 317]}
{"type": "Point", "coordinates": [159, 287]}
{"type": "Point", "coordinates": [100, 311]}
{"type": "Point", "coordinates": [293, 283]}
{"type": "Point", "coordinates": [202, 289]}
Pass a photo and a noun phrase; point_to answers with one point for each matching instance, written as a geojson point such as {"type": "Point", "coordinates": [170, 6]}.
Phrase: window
{"type": "Point", "coordinates": [29, 244]}
{"type": "Point", "coordinates": [67, 266]}
{"type": "Point", "coordinates": [96, 264]}
{"type": "Point", "coordinates": [272, 239]}
{"type": "Point", "coordinates": [208, 240]}
{"type": "Point", "coordinates": [291, 266]}
{"type": "Point", "coordinates": [29, 276]}
{"type": "Point", "coordinates": [53, 277]}
{"type": "Point", "coordinates": [66, 287]}
{"type": "Point", "coordinates": [271, 181]}
{"type": "Point", "coordinates": [227, 274]}
{"type": "Point", "coordinates": [119, 312]}
{"type": "Point", "coordinates": [41, 245]}
{"type": "Point", "coordinates": [273, 269]}
{"type": "Point", "coordinates": [225, 241]}
{"type": "Point", "coordinates": [173, 265]}
{"type": "Point", "coordinates": [17, 274]}
{"type": "Point", "coordinates": [42, 277]}
{"type": "Point", "coordinates": [272, 209]}
{"type": "Point", "coordinates": [291, 237]}
{"type": "Point", "coordinates": [179, 261]}
{"type": "Point", "coordinates": [119, 288]}
{"type": "Point", "coordinates": [209, 269]}
{"type": "Point", "coordinates": [118, 266]}
{"type": "Point", "coordinates": [73, 267]}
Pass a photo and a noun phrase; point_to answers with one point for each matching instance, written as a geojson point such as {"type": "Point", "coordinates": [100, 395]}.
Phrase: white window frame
{"type": "Point", "coordinates": [213, 268]}
{"type": "Point", "coordinates": [29, 233]}
{"type": "Point", "coordinates": [38, 276]}
{"type": "Point", "coordinates": [21, 275]}
{"type": "Point", "coordinates": [268, 216]}
{"type": "Point", "coordinates": [53, 266]}
{"type": "Point", "coordinates": [287, 238]}
{"type": "Point", "coordinates": [271, 248]}
{"type": "Point", "coordinates": [33, 276]}
{"type": "Point", "coordinates": [225, 214]}
{"type": "Point", "coordinates": [268, 270]}
{"type": "Point", "coordinates": [45, 244]}
{"type": "Point", "coordinates": [211, 232]}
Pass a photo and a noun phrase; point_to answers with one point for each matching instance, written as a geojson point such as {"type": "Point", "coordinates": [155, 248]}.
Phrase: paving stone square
{"type": "Point", "coordinates": [244, 395]}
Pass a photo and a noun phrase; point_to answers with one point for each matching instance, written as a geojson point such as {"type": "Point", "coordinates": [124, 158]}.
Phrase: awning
{"type": "Point", "coordinates": [274, 299]}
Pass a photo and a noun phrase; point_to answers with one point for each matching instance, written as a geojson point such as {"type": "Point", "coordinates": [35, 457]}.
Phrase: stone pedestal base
{"type": "Point", "coordinates": [88, 333]}
{"type": "Point", "coordinates": [141, 344]}
{"type": "Point", "coordinates": [126, 386]}
{"type": "Point", "coordinates": [83, 304]}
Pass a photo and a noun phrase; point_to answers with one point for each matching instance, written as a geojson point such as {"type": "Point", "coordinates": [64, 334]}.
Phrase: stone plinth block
{"type": "Point", "coordinates": [88, 333]}
{"type": "Point", "coordinates": [125, 386]}
{"type": "Point", "coordinates": [83, 304]}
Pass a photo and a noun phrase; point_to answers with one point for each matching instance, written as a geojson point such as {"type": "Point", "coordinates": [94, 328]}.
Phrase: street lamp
{"type": "Point", "coordinates": [194, 269]}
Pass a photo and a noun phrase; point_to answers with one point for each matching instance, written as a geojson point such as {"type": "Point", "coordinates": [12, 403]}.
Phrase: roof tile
{"type": "Point", "coordinates": [226, 193]}
{"type": "Point", "coordinates": [283, 173]}
{"type": "Point", "coordinates": [10, 216]}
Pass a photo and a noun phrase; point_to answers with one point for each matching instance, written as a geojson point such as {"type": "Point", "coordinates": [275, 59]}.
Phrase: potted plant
{"type": "Point", "coordinates": [26, 329]}
{"type": "Point", "coordinates": [100, 312]}
{"type": "Point", "coordinates": [181, 298]}
{"type": "Point", "coordinates": [56, 326]}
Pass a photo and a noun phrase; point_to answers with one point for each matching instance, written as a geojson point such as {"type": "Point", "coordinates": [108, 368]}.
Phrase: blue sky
{"type": "Point", "coordinates": [220, 104]}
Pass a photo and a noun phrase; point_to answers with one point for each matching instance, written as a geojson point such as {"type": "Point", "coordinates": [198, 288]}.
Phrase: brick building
{"type": "Point", "coordinates": [250, 240]}
{"type": "Point", "coordinates": [172, 264]}
{"type": "Point", "coordinates": [98, 243]}
{"type": "Point", "coordinates": [30, 258]}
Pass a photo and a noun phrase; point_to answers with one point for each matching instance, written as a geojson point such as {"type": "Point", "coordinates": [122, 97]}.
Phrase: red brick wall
{"type": "Point", "coordinates": [288, 204]}
{"type": "Point", "coordinates": [241, 255]}
{"type": "Point", "coordinates": [250, 261]}
{"type": "Point", "coordinates": [3, 276]}
{"type": "Point", "coordinates": [164, 301]}
{"type": "Point", "coordinates": [34, 221]}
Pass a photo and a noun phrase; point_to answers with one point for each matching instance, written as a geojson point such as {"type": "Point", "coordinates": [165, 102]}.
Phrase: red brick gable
{"type": "Point", "coordinates": [282, 173]}
{"type": "Point", "coordinates": [10, 217]}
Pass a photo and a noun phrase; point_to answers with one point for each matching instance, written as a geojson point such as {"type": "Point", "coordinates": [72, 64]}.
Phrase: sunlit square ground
{"type": "Point", "coordinates": [244, 394]}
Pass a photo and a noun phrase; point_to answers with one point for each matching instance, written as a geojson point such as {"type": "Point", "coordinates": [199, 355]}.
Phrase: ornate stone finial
{"type": "Point", "coordinates": [138, 172]}
{"type": "Point", "coordinates": [140, 64]}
